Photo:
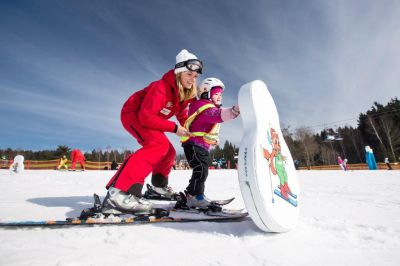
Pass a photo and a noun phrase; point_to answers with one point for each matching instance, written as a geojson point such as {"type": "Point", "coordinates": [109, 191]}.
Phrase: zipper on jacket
{"type": "Point", "coordinates": [137, 133]}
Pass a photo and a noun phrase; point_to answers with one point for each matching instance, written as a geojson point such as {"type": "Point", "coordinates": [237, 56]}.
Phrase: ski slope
{"type": "Point", "coordinates": [346, 218]}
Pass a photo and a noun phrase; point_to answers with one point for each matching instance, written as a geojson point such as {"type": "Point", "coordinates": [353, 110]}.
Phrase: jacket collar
{"type": "Point", "coordinates": [169, 81]}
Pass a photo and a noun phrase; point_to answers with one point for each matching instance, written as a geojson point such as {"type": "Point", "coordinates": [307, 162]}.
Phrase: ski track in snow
{"type": "Point", "coordinates": [346, 218]}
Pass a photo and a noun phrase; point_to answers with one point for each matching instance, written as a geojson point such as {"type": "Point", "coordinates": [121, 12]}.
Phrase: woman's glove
{"type": "Point", "coordinates": [181, 131]}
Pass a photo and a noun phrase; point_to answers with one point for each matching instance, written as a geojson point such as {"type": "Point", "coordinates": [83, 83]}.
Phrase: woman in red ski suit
{"type": "Point", "coordinates": [77, 157]}
{"type": "Point", "coordinates": [145, 116]}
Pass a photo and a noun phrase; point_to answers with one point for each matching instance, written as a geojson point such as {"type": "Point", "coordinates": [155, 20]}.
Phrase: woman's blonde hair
{"type": "Point", "coordinates": [185, 94]}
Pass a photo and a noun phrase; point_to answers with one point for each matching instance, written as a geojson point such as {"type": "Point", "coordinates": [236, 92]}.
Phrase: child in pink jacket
{"type": "Point", "coordinates": [205, 115]}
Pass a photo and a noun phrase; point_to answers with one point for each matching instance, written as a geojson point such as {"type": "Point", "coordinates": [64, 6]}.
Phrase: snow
{"type": "Point", "coordinates": [346, 218]}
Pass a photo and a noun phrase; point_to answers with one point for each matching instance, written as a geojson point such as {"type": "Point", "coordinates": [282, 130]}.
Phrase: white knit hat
{"type": "Point", "coordinates": [183, 56]}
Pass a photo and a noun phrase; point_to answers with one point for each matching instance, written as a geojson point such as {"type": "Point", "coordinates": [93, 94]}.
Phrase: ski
{"type": "Point", "coordinates": [290, 193]}
{"type": "Point", "coordinates": [168, 214]}
{"type": "Point", "coordinates": [150, 194]}
{"type": "Point", "coordinates": [122, 221]}
{"type": "Point", "coordinates": [289, 199]}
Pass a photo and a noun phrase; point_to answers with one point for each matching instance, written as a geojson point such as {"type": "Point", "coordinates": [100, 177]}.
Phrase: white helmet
{"type": "Point", "coordinates": [207, 84]}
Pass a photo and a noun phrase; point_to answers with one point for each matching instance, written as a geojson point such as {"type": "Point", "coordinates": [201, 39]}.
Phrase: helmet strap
{"type": "Point", "coordinates": [204, 96]}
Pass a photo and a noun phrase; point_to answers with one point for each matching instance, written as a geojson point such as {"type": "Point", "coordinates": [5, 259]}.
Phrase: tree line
{"type": "Point", "coordinates": [96, 155]}
{"type": "Point", "coordinates": [378, 127]}
{"type": "Point", "coordinates": [227, 153]}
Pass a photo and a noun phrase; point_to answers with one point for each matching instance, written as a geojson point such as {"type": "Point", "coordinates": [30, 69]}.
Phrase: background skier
{"type": "Point", "coordinates": [63, 163]}
{"type": "Point", "coordinates": [345, 166]}
{"type": "Point", "coordinates": [145, 116]}
{"type": "Point", "coordinates": [18, 165]}
{"type": "Point", "coordinates": [342, 163]}
{"type": "Point", "coordinates": [114, 165]}
{"type": "Point", "coordinates": [387, 162]}
{"type": "Point", "coordinates": [77, 157]}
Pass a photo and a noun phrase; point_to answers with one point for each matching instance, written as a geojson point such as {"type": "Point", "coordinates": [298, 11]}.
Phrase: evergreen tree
{"type": "Point", "coordinates": [62, 150]}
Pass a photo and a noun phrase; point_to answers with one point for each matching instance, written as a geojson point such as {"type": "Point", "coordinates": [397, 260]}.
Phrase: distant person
{"type": "Point", "coordinates": [205, 116]}
{"type": "Point", "coordinates": [114, 165]}
{"type": "Point", "coordinates": [345, 166]}
{"type": "Point", "coordinates": [340, 163]}
{"type": "Point", "coordinates": [63, 163]}
{"type": "Point", "coordinates": [17, 166]}
{"type": "Point", "coordinates": [77, 157]}
{"type": "Point", "coordinates": [145, 115]}
{"type": "Point", "coordinates": [387, 162]}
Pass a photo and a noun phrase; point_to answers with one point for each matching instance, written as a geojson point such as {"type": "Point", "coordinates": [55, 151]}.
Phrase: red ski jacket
{"type": "Point", "coordinates": [155, 104]}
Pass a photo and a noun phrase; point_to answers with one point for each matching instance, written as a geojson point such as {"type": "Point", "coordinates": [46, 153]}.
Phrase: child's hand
{"type": "Point", "coordinates": [236, 110]}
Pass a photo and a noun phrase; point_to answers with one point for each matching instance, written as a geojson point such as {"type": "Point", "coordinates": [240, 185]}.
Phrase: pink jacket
{"type": "Point", "coordinates": [206, 120]}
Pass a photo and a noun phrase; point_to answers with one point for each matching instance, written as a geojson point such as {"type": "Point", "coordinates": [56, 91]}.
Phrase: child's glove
{"type": "Point", "coordinates": [236, 110]}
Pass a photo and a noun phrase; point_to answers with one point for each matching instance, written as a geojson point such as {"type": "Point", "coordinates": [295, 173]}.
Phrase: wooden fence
{"type": "Point", "coordinates": [359, 166]}
{"type": "Point", "coordinates": [52, 164]}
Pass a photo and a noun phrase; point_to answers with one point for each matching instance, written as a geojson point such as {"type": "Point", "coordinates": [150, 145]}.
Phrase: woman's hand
{"type": "Point", "coordinates": [181, 132]}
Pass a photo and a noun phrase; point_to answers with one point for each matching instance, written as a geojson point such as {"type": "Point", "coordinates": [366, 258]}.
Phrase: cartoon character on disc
{"type": "Point", "coordinates": [277, 165]}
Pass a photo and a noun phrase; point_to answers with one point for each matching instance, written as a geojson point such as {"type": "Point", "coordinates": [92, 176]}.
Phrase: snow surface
{"type": "Point", "coordinates": [346, 218]}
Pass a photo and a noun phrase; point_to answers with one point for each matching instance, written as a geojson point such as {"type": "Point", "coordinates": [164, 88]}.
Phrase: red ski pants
{"type": "Point", "coordinates": [81, 162]}
{"type": "Point", "coordinates": [156, 156]}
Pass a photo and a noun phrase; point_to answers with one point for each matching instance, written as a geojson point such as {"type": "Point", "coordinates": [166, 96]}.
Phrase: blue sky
{"type": "Point", "coordinates": [66, 67]}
